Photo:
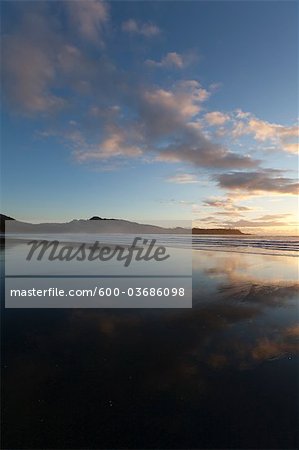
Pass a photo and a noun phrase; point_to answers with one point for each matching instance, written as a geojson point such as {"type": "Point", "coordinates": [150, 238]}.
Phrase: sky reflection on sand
{"type": "Point", "coordinates": [246, 267]}
{"type": "Point", "coordinates": [200, 374]}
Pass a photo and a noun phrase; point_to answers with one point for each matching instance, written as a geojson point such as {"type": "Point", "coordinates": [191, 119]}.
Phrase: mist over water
{"type": "Point", "coordinates": [283, 245]}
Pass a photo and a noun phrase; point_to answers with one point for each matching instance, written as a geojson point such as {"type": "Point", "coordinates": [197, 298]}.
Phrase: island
{"type": "Point", "coordinates": [218, 231]}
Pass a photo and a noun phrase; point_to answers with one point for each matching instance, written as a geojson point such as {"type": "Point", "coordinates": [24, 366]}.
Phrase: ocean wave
{"type": "Point", "coordinates": [274, 245]}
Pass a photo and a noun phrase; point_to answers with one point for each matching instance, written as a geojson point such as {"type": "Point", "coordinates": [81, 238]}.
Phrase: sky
{"type": "Point", "coordinates": [151, 110]}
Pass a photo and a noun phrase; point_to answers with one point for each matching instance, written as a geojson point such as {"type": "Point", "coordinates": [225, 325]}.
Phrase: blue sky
{"type": "Point", "coordinates": [151, 110]}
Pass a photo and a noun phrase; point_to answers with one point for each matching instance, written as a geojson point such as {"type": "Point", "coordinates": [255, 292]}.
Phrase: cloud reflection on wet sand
{"type": "Point", "coordinates": [141, 371]}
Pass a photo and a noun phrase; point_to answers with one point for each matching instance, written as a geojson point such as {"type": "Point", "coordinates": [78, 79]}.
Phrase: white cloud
{"type": "Point", "coordinates": [226, 204]}
{"type": "Point", "coordinates": [29, 70]}
{"type": "Point", "coordinates": [284, 137]}
{"type": "Point", "coordinates": [115, 144]}
{"type": "Point", "coordinates": [292, 147]}
{"type": "Point", "coordinates": [183, 178]}
{"type": "Point", "coordinates": [171, 59]}
{"type": "Point", "coordinates": [216, 118]}
{"type": "Point", "coordinates": [255, 223]}
{"type": "Point", "coordinates": [146, 29]}
{"type": "Point", "coordinates": [89, 18]}
{"type": "Point", "coordinates": [176, 105]}
{"type": "Point", "coordinates": [37, 56]}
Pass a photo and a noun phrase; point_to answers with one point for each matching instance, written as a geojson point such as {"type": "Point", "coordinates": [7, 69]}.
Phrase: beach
{"type": "Point", "coordinates": [220, 375]}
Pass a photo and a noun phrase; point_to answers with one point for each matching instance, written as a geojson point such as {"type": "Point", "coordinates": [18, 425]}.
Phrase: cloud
{"type": "Point", "coordinates": [89, 18]}
{"type": "Point", "coordinates": [271, 349]}
{"type": "Point", "coordinates": [183, 178]}
{"type": "Point", "coordinates": [146, 29]}
{"type": "Point", "coordinates": [209, 219]}
{"type": "Point", "coordinates": [200, 152]}
{"type": "Point", "coordinates": [159, 114]}
{"type": "Point", "coordinates": [157, 118]}
{"type": "Point", "coordinates": [170, 60]}
{"type": "Point", "coordinates": [284, 137]}
{"type": "Point", "coordinates": [114, 144]}
{"type": "Point", "coordinates": [28, 73]}
{"type": "Point", "coordinates": [239, 123]}
{"type": "Point", "coordinates": [118, 115]}
{"type": "Point", "coordinates": [255, 223]}
{"type": "Point", "coordinates": [292, 331]}
{"type": "Point", "coordinates": [292, 148]}
{"type": "Point", "coordinates": [97, 79]}
{"type": "Point", "coordinates": [161, 118]}
{"type": "Point", "coordinates": [273, 217]}
{"type": "Point", "coordinates": [276, 221]}
{"type": "Point", "coordinates": [264, 130]}
{"type": "Point", "coordinates": [28, 69]}
{"type": "Point", "coordinates": [258, 182]}
{"type": "Point", "coordinates": [227, 204]}
{"type": "Point", "coordinates": [46, 68]}
{"type": "Point", "coordinates": [216, 118]}
{"type": "Point", "coordinates": [229, 213]}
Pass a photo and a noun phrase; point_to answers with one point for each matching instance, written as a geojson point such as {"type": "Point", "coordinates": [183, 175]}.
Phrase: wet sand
{"type": "Point", "coordinates": [222, 375]}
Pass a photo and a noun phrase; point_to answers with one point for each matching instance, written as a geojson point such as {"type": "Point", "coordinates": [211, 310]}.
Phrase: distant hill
{"type": "Point", "coordinates": [93, 225]}
{"type": "Point", "coordinates": [100, 218]}
{"type": "Point", "coordinates": [223, 231]}
{"type": "Point", "coordinates": [98, 224]}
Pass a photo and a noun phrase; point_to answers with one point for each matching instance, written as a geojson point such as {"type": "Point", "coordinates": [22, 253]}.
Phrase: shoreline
{"type": "Point", "coordinates": [254, 247]}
